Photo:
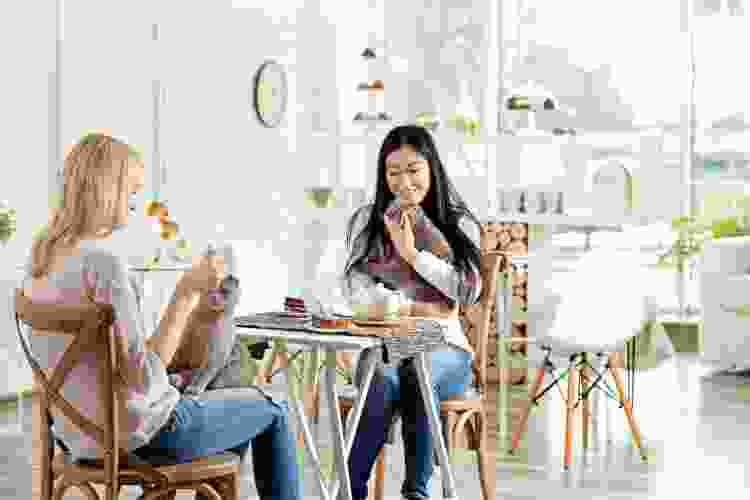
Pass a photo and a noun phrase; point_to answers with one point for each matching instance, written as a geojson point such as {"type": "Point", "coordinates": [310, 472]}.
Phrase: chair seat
{"type": "Point", "coordinates": [470, 394]}
{"type": "Point", "coordinates": [278, 391]}
{"type": "Point", "coordinates": [203, 468]}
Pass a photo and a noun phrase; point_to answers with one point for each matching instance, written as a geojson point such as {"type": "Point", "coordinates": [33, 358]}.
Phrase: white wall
{"type": "Point", "coordinates": [223, 165]}
{"type": "Point", "coordinates": [27, 52]}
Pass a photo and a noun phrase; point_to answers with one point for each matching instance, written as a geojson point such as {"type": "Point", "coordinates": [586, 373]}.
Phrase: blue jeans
{"type": "Point", "coordinates": [397, 389]}
{"type": "Point", "coordinates": [205, 427]}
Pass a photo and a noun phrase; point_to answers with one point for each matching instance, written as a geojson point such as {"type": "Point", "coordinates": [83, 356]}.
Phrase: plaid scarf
{"type": "Point", "coordinates": [384, 264]}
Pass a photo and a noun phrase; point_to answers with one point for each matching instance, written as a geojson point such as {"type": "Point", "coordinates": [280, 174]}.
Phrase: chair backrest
{"type": "Point", "coordinates": [480, 313]}
{"type": "Point", "coordinates": [90, 325]}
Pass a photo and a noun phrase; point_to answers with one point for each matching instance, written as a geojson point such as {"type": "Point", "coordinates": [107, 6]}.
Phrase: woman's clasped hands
{"type": "Point", "coordinates": [401, 231]}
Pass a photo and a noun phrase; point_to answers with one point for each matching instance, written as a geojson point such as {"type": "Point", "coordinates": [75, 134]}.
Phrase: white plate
{"type": "Point", "coordinates": [315, 329]}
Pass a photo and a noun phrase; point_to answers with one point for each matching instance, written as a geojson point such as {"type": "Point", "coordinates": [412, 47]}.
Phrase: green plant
{"type": "Point", "coordinates": [7, 223]}
{"type": "Point", "coordinates": [690, 235]}
{"type": "Point", "coordinates": [468, 126]}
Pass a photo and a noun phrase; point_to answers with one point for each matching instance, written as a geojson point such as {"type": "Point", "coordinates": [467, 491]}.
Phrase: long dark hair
{"type": "Point", "coordinates": [442, 204]}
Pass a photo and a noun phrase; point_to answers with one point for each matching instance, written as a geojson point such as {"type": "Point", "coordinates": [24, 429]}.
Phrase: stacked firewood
{"type": "Point", "coordinates": [514, 239]}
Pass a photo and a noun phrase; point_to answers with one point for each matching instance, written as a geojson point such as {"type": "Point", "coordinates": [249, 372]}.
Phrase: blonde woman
{"type": "Point", "coordinates": [82, 254]}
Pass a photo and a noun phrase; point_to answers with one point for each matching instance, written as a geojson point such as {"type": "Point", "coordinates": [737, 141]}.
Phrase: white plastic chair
{"type": "Point", "coordinates": [596, 308]}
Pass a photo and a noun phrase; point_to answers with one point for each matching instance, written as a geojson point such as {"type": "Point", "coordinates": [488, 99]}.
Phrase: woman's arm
{"type": "Point", "coordinates": [168, 335]}
{"type": "Point", "coordinates": [430, 236]}
{"type": "Point", "coordinates": [107, 274]}
{"type": "Point", "coordinates": [461, 287]}
{"type": "Point", "coordinates": [442, 310]}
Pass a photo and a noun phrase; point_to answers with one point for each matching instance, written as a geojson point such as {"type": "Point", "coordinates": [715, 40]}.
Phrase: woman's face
{"type": "Point", "coordinates": [134, 183]}
{"type": "Point", "coordinates": [408, 174]}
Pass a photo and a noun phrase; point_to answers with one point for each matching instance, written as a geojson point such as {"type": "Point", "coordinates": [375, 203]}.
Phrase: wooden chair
{"type": "Point", "coordinates": [217, 477]}
{"type": "Point", "coordinates": [466, 415]}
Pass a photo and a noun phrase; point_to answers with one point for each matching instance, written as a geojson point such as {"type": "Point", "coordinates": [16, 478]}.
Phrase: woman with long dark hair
{"type": "Point", "coordinates": [418, 237]}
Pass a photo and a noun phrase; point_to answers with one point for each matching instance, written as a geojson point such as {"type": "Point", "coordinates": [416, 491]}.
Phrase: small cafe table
{"type": "Point", "coordinates": [400, 345]}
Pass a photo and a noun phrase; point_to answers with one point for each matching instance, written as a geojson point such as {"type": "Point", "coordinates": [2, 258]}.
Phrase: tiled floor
{"type": "Point", "coordinates": [695, 425]}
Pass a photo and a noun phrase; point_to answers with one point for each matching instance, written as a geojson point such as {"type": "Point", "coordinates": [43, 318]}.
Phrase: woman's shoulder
{"type": "Point", "coordinates": [105, 257]}
{"type": "Point", "coordinates": [361, 216]}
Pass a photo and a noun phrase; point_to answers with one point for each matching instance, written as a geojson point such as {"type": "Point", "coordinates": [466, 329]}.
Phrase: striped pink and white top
{"type": "Point", "coordinates": [103, 269]}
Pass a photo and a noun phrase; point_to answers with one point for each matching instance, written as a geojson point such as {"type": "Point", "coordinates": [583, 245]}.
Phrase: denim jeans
{"type": "Point", "coordinates": [205, 427]}
{"type": "Point", "coordinates": [397, 389]}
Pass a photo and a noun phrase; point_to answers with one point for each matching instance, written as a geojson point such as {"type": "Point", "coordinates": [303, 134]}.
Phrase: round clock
{"type": "Point", "coordinates": [270, 93]}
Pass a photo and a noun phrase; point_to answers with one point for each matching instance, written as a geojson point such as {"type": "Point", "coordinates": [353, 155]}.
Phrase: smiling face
{"type": "Point", "coordinates": [407, 174]}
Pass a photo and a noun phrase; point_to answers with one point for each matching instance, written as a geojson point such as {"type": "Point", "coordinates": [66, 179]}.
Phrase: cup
{"type": "Point", "coordinates": [548, 200]}
{"type": "Point", "coordinates": [515, 201]}
{"type": "Point", "coordinates": [502, 200]}
{"type": "Point", "coordinates": [532, 202]}
{"type": "Point", "coordinates": [559, 203]}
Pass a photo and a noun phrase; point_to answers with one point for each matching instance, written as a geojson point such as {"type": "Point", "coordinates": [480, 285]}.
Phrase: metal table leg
{"type": "Point", "coordinates": [352, 421]}
{"type": "Point", "coordinates": [342, 442]}
{"type": "Point", "coordinates": [423, 373]}
{"type": "Point", "coordinates": [337, 431]}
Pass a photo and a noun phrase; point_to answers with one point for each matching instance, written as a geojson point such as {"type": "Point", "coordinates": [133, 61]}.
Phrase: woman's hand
{"type": "Point", "coordinates": [434, 310]}
{"type": "Point", "coordinates": [438, 245]}
{"type": "Point", "coordinates": [206, 274]}
{"type": "Point", "coordinates": [402, 236]}
{"type": "Point", "coordinates": [440, 248]}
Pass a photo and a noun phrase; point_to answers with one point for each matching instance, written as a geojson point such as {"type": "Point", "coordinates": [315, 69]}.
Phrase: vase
{"type": "Point", "coordinates": [686, 288]}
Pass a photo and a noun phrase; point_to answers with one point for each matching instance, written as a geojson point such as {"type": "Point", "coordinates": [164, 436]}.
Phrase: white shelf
{"type": "Point", "coordinates": [328, 216]}
{"type": "Point", "coordinates": [445, 135]}
{"type": "Point", "coordinates": [721, 181]}
{"type": "Point", "coordinates": [581, 220]}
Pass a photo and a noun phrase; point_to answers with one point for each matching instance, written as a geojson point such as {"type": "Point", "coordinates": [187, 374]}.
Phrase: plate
{"type": "Point", "coordinates": [291, 314]}
{"type": "Point", "coordinates": [377, 322]}
{"type": "Point", "coordinates": [315, 329]}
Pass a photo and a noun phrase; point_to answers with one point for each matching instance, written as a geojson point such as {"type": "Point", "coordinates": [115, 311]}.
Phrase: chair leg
{"type": "Point", "coordinates": [586, 408]}
{"type": "Point", "coordinates": [533, 391]}
{"type": "Point", "coordinates": [569, 414]}
{"type": "Point", "coordinates": [227, 487]}
{"type": "Point", "coordinates": [279, 359]}
{"type": "Point", "coordinates": [379, 489]}
{"type": "Point", "coordinates": [344, 360]}
{"type": "Point", "coordinates": [451, 432]}
{"type": "Point", "coordinates": [41, 453]}
{"type": "Point", "coordinates": [86, 489]}
{"type": "Point", "coordinates": [628, 407]}
{"type": "Point", "coordinates": [486, 460]}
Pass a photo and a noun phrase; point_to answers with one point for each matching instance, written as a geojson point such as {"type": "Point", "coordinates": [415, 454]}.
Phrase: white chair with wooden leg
{"type": "Point", "coordinates": [572, 320]}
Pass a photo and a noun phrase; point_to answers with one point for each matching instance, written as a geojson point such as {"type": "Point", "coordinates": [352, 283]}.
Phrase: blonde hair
{"type": "Point", "coordinates": [94, 183]}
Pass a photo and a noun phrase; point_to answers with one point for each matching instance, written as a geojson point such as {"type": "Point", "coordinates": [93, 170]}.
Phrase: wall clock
{"type": "Point", "coordinates": [270, 93]}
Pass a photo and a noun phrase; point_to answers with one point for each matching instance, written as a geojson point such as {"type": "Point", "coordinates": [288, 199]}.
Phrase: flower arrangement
{"type": "Point", "coordinates": [7, 222]}
{"type": "Point", "coordinates": [168, 229]}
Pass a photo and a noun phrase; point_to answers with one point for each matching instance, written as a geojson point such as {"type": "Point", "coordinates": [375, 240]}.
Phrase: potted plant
{"type": "Point", "coordinates": [688, 243]}
{"type": "Point", "coordinates": [7, 222]}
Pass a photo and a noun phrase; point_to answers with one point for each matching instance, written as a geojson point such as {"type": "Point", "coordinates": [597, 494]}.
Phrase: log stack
{"type": "Point", "coordinates": [512, 238]}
